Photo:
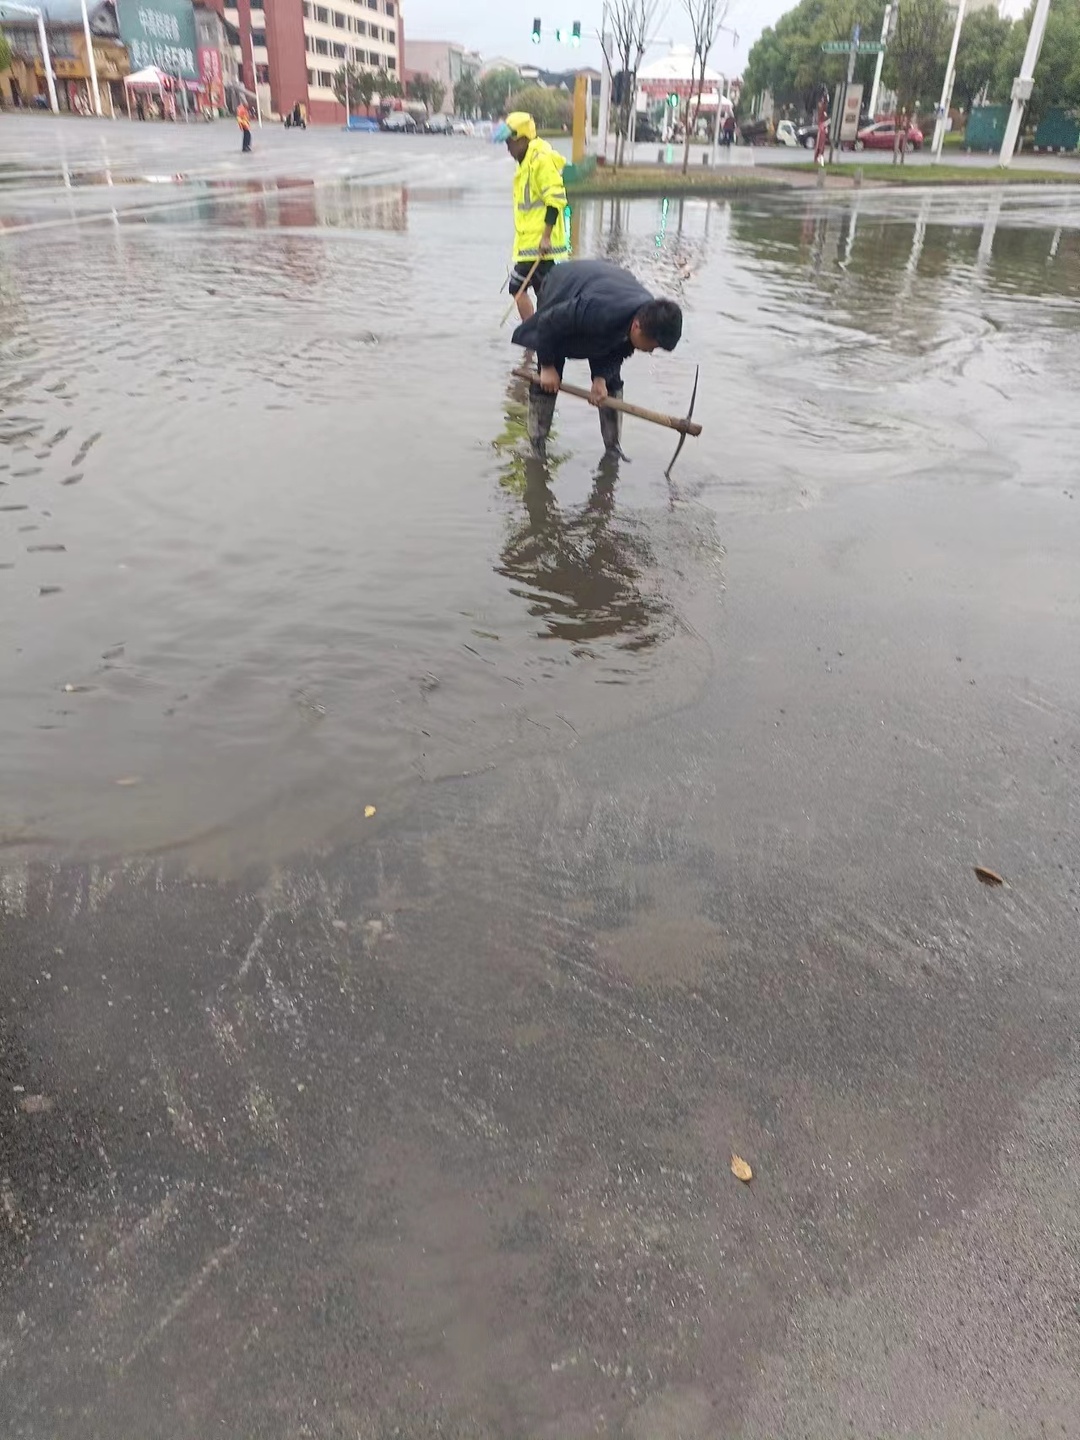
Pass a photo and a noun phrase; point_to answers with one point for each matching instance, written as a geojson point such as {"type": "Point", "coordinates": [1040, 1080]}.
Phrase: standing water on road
{"type": "Point", "coordinates": [270, 547]}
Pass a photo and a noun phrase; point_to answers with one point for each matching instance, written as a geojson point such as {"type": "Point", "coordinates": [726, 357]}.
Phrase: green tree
{"type": "Point", "coordinates": [495, 88]}
{"type": "Point", "coordinates": [346, 86]}
{"type": "Point", "coordinates": [551, 109]}
{"type": "Point", "coordinates": [787, 59]}
{"type": "Point", "coordinates": [1057, 75]}
{"type": "Point", "coordinates": [985, 35]}
{"type": "Point", "coordinates": [438, 95]}
{"type": "Point", "coordinates": [5, 52]}
{"type": "Point", "coordinates": [388, 86]}
{"type": "Point", "coordinates": [467, 96]}
{"type": "Point", "coordinates": [419, 89]}
{"type": "Point", "coordinates": [367, 83]}
{"type": "Point", "coordinates": [917, 51]}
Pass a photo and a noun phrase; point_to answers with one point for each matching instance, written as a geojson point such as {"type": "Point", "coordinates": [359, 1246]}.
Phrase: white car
{"type": "Point", "coordinates": [786, 134]}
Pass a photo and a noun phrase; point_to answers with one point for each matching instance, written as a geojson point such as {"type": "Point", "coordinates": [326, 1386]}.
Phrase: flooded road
{"type": "Point", "coordinates": [321, 1125]}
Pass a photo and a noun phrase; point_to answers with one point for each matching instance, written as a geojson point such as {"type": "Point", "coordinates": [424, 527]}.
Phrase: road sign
{"type": "Point", "coordinates": [842, 47]}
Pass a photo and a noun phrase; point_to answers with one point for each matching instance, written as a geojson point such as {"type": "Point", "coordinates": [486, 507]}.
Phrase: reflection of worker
{"type": "Point", "coordinates": [243, 119]}
{"type": "Point", "coordinates": [539, 206]}
{"type": "Point", "coordinates": [592, 310]}
{"type": "Point", "coordinates": [579, 569]}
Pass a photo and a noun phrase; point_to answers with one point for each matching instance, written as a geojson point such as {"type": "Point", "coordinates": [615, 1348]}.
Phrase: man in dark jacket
{"type": "Point", "coordinates": [592, 310]}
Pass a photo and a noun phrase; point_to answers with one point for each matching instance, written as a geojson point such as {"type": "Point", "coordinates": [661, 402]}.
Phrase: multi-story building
{"type": "Point", "coordinates": [24, 84]}
{"type": "Point", "coordinates": [442, 60]}
{"type": "Point", "coordinates": [291, 49]}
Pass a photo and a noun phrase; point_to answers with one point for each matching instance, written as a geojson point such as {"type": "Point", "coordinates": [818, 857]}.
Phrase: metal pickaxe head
{"type": "Point", "coordinates": [689, 415]}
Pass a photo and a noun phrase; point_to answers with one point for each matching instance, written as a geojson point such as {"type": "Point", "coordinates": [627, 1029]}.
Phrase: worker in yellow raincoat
{"type": "Point", "coordinates": [539, 208]}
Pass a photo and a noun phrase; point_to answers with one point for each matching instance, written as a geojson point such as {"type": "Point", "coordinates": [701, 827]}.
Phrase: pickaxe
{"type": "Point", "coordinates": [684, 425]}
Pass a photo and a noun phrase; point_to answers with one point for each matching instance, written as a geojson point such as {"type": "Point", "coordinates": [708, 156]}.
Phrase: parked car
{"type": "Point", "coordinates": [882, 136]}
{"type": "Point", "coordinates": [399, 121]}
{"type": "Point", "coordinates": [806, 134]}
{"type": "Point", "coordinates": [786, 134]}
{"type": "Point", "coordinates": [756, 132]}
{"type": "Point", "coordinates": [363, 123]}
{"type": "Point", "coordinates": [646, 131]}
{"type": "Point", "coordinates": [448, 125]}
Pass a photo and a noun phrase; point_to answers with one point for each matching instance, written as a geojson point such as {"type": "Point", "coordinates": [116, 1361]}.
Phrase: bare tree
{"type": "Point", "coordinates": [632, 23]}
{"type": "Point", "coordinates": [706, 21]}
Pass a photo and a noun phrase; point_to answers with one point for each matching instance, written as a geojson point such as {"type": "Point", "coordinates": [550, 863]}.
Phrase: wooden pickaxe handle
{"type": "Point", "coordinates": [524, 286]}
{"type": "Point", "coordinates": [656, 417]}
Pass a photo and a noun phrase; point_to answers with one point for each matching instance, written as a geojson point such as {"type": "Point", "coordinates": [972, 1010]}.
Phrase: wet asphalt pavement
{"type": "Point", "coordinates": [420, 1123]}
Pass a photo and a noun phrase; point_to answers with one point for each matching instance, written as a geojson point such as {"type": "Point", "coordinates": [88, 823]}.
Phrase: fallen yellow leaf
{"type": "Point", "coordinates": [741, 1170]}
{"type": "Point", "coordinates": [988, 877]}
{"type": "Point", "coordinates": [369, 810]}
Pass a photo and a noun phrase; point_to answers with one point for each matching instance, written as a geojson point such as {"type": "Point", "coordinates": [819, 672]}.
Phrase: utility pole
{"type": "Point", "coordinates": [875, 89]}
{"type": "Point", "coordinates": [90, 60]}
{"type": "Point", "coordinates": [947, 87]}
{"type": "Point", "coordinates": [1024, 82]}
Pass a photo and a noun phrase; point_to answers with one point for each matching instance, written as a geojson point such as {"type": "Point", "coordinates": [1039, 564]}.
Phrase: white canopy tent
{"type": "Point", "coordinates": [149, 79]}
{"type": "Point", "coordinates": [676, 72]}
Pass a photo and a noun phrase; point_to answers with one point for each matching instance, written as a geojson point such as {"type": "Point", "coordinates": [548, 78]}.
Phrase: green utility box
{"type": "Point", "coordinates": [1058, 130]}
{"type": "Point", "coordinates": [578, 174]}
{"type": "Point", "coordinates": [985, 127]}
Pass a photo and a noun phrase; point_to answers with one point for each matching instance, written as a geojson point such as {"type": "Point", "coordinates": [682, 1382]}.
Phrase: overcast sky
{"type": "Point", "coordinates": [504, 27]}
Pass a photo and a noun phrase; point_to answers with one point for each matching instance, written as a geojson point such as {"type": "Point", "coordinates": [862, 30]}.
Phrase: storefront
{"type": "Point", "coordinates": [23, 84]}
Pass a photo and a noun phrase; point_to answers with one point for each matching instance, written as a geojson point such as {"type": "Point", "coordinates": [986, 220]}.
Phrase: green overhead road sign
{"type": "Point", "coordinates": [843, 47]}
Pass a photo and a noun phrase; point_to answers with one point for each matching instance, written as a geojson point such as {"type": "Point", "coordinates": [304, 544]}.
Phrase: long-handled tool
{"type": "Point", "coordinates": [683, 424]}
{"type": "Point", "coordinates": [524, 286]}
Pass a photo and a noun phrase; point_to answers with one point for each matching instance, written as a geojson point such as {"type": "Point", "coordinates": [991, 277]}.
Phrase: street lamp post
{"type": "Point", "coordinates": [45, 57]}
{"type": "Point", "coordinates": [947, 87]}
{"type": "Point", "coordinates": [91, 62]}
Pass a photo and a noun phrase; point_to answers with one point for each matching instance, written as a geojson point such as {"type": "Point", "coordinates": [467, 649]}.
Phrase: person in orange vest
{"type": "Point", "coordinates": [243, 119]}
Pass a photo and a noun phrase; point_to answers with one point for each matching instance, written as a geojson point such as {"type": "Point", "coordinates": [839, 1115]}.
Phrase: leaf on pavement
{"type": "Point", "coordinates": [988, 877]}
{"type": "Point", "coordinates": [741, 1170]}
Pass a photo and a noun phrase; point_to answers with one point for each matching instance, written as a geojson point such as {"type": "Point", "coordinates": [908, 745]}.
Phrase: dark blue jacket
{"type": "Point", "coordinates": [585, 311]}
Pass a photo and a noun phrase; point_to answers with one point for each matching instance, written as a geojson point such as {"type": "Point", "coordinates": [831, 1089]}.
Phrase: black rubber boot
{"type": "Point", "coordinates": [541, 413]}
{"type": "Point", "coordinates": [611, 426]}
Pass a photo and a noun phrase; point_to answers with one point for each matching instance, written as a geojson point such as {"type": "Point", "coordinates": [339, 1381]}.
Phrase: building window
{"type": "Point", "coordinates": [307, 9]}
{"type": "Point", "coordinates": [340, 21]}
{"type": "Point", "coordinates": [322, 15]}
{"type": "Point", "coordinates": [311, 77]}
{"type": "Point", "coordinates": [391, 63]}
{"type": "Point", "coordinates": [372, 4]}
{"type": "Point", "coordinates": [322, 47]}
{"type": "Point", "coordinates": [389, 7]}
{"type": "Point", "coordinates": [326, 80]}
{"type": "Point", "coordinates": [360, 27]}
{"type": "Point", "coordinates": [338, 51]}
{"type": "Point", "coordinates": [258, 37]}
{"type": "Point", "coordinates": [392, 37]}
{"type": "Point", "coordinates": [262, 74]}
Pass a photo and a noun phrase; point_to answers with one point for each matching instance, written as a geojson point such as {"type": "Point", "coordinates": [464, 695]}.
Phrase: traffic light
{"type": "Point", "coordinates": [561, 36]}
{"type": "Point", "coordinates": [575, 33]}
{"type": "Point", "coordinates": [673, 100]}
{"type": "Point", "coordinates": [536, 31]}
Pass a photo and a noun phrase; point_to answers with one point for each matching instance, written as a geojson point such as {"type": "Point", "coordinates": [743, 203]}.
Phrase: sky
{"type": "Point", "coordinates": [504, 27]}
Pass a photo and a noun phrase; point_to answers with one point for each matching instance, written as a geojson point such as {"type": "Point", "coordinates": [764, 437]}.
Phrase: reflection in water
{"type": "Point", "coordinates": [579, 569]}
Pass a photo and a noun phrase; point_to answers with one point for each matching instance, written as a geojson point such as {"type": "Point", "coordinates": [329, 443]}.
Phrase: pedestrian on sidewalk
{"type": "Point", "coordinates": [243, 119]}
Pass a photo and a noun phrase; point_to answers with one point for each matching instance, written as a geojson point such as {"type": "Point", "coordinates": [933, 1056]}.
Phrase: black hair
{"type": "Point", "coordinates": [661, 320]}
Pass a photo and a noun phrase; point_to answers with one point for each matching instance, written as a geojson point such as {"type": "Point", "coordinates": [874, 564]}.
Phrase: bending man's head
{"type": "Point", "coordinates": [656, 326]}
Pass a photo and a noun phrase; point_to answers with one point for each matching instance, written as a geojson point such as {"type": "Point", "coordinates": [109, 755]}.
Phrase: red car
{"type": "Point", "coordinates": [882, 136]}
